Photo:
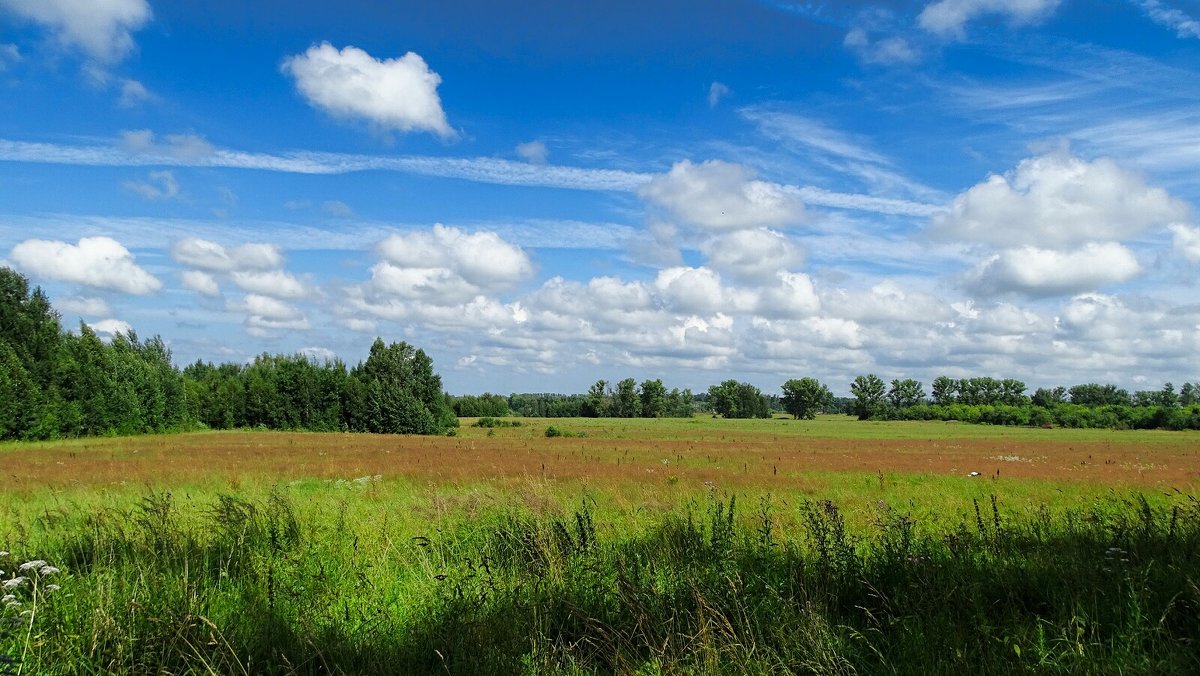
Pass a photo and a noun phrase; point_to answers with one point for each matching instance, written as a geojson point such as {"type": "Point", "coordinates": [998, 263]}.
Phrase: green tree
{"type": "Point", "coordinates": [868, 394]}
{"type": "Point", "coordinates": [403, 394]}
{"type": "Point", "coordinates": [906, 393]}
{"type": "Point", "coordinates": [732, 399]}
{"type": "Point", "coordinates": [653, 395]}
{"type": "Point", "coordinates": [945, 390]}
{"type": "Point", "coordinates": [626, 403]}
{"type": "Point", "coordinates": [1189, 393]}
{"type": "Point", "coordinates": [805, 397]}
{"type": "Point", "coordinates": [598, 404]}
{"type": "Point", "coordinates": [1049, 397]}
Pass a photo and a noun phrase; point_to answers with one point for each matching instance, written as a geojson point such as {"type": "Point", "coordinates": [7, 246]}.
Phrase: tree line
{"type": "Point", "coordinates": [55, 384]}
{"type": "Point", "coordinates": [1005, 402]}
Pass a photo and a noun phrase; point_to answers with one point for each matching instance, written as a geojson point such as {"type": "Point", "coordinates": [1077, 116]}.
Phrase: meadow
{"type": "Point", "coordinates": [624, 546]}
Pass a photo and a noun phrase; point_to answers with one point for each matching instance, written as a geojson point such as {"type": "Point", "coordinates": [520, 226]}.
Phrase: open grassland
{"type": "Point", "coordinates": [649, 546]}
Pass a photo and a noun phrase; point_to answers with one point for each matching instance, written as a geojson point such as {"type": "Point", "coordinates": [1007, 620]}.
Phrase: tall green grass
{"type": "Point", "coordinates": [291, 581]}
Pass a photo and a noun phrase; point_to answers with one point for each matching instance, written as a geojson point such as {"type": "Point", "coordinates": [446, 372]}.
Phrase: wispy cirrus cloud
{"type": "Point", "coordinates": [141, 149]}
{"type": "Point", "coordinates": [1184, 24]}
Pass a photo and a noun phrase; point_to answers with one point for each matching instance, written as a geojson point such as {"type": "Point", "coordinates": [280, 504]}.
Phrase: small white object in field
{"type": "Point", "coordinates": [973, 474]}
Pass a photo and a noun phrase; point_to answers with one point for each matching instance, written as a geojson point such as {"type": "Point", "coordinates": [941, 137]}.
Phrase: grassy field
{"type": "Point", "coordinates": [640, 546]}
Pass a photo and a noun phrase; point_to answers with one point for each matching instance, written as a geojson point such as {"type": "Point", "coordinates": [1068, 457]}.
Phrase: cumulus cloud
{"type": "Point", "coordinates": [275, 283]}
{"type": "Point", "coordinates": [533, 151]}
{"type": "Point", "coordinates": [100, 28]}
{"type": "Point", "coordinates": [214, 257]}
{"type": "Point", "coordinates": [159, 185]}
{"type": "Point", "coordinates": [699, 291]}
{"type": "Point", "coordinates": [751, 254]}
{"type": "Point", "coordinates": [716, 92]}
{"type": "Point", "coordinates": [392, 94]}
{"type": "Point", "coordinates": [723, 196]}
{"type": "Point", "coordinates": [200, 282]}
{"type": "Point", "coordinates": [318, 354]}
{"type": "Point", "coordinates": [886, 301]}
{"type": "Point", "coordinates": [1187, 241]}
{"type": "Point", "coordinates": [101, 262]}
{"type": "Point", "coordinates": [83, 306]}
{"type": "Point", "coordinates": [793, 295]}
{"type": "Point", "coordinates": [110, 327]}
{"type": "Point", "coordinates": [1045, 272]}
{"type": "Point", "coordinates": [949, 18]}
{"type": "Point", "coordinates": [1058, 200]}
{"type": "Point", "coordinates": [888, 51]}
{"type": "Point", "coordinates": [481, 259]}
{"type": "Point", "coordinates": [265, 315]}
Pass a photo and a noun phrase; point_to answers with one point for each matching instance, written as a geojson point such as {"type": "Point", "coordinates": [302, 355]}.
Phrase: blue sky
{"type": "Point", "coordinates": [571, 191]}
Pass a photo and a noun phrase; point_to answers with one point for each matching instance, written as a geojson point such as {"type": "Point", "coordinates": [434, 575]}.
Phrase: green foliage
{"type": "Point", "coordinates": [496, 422]}
{"type": "Point", "coordinates": [806, 397]}
{"type": "Point", "coordinates": [905, 393]}
{"type": "Point", "coordinates": [237, 584]}
{"type": "Point", "coordinates": [487, 404]}
{"type": "Point", "coordinates": [732, 399]}
{"type": "Point", "coordinates": [626, 403]}
{"type": "Point", "coordinates": [653, 396]}
{"type": "Point", "coordinates": [868, 394]}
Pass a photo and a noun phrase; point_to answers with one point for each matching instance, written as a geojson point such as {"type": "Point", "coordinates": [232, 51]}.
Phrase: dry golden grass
{"type": "Point", "coordinates": [769, 454]}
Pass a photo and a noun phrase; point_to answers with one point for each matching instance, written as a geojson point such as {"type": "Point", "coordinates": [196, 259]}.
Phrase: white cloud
{"type": "Point", "coordinates": [133, 94]}
{"type": "Point", "coordinates": [265, 314]}
{"type": "Point", "coordinates": [792, 296]}
{"type": "Point", "coordinates": [181, 147]}
{"type": "Point", "coordinates": [393, 94]}
{"type": "Point", "coordinates": [82, 306]}
{"type": "Point", "coordinates": [139, 148]}
{"type": "Point", "coordinates": [1184, 25]}
{"type": "Point", "coordinates": [716, 92]}
{"type": "Point", "coordinates": [214, 257]}
{"type": "Point", "coordinates": [751, 254]}
{"type": "Point", "coordinates": [723, 196]}
{"type": "Point", "coordinates": [533, 151]}
{"type": "Point", "coordinates": [101, 28]}
{"type": "Point", "coordinates": [200, 282]}
{"type": "Point", "coordinates": [101, 262]}
{"type": "Point", "coordinates": [111, 327]}
{"type": "Point", "coordinates": [360, 325]}
{"type": "Point", "coordinates": [274, 283]}
{"type": "Point", "coordinates": [700, 291]}
{"type": "Point", "coordinates": [481, 259]}
{"type": "Point", "coordinates": [160, 185]}
{"type": "Point", "coordinates": [886, 301]}
{"type": "Point", "coordinates": [1187, 241]}
{"type": "Point", "coordinates": [948, 18]}
{"type": "Point", "coordinates": [1043, 272]}
{"type": "Point", "coordinates": [1058, 200]}
{"type": "Point", "coordinates": [889, 51]}
{"type": "Point", "coordinates": [318, 354]}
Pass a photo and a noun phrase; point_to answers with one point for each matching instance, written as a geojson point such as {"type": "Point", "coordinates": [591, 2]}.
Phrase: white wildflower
{"type": "Point", "coordinates": [15, 582]}
{"type": "Point", "coordinates": [3, 554]}
{"type": "Point", "coordinates": [31, 565]}
{"type": "Point", "coordinates": [52, 588]}
{"type": "Point", "coordinates": [13, 604]}
{"type": "Point", "coordinates": [7, 598]}
{"type": "Point", "coordinates": [48, 570]}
